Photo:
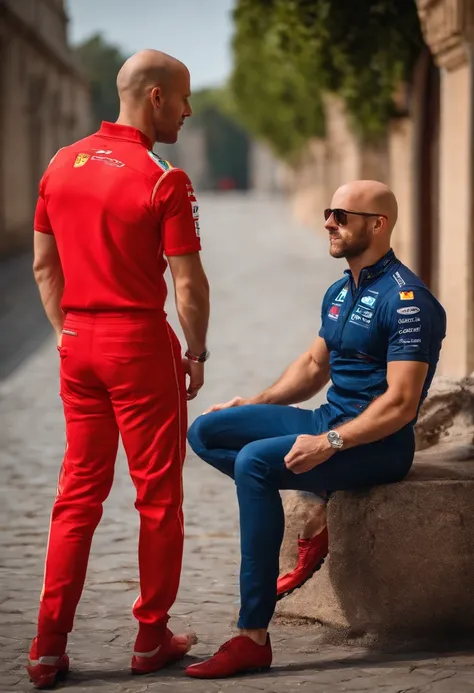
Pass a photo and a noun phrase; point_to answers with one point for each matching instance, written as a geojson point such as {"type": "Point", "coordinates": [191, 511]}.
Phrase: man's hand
{"type": "Point", "coordinates": [307, 453]}
{"type": "Point", "coordinates": [196, 377]}
{"type": "Point", "coordinates": [235, 402]}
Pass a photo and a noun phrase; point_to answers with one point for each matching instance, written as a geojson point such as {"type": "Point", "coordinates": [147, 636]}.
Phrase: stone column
{"type": "Point", "coordinates": [448, 30]}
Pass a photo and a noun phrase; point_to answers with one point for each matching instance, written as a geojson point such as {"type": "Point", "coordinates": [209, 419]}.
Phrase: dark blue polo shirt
{"type": "Point", "coordinates": [390, 316]}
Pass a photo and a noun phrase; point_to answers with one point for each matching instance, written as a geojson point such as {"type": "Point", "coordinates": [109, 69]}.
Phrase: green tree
{"type": "Point", "coordinates": [227, 142]}
{"type": "Point", "coordinates": [101, 62]}
{"type": "Point", "coordinates": [288, 53]}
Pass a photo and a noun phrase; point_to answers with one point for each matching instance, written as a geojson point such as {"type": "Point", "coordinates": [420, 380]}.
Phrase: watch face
{"type": "Point", "coordinates": [335, 439]}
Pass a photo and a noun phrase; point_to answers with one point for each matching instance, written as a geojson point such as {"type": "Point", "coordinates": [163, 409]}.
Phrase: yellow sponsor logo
{"type": "Point", "coordinates": [81, 159]}
{"type": "Point", "coordinates": [407, 295]}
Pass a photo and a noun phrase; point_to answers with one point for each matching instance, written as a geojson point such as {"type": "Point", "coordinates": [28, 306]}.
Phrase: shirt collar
{"type": "Point", "coordinates": [124, 132]}
{"type": "Point", "coordinates": [380, 267]}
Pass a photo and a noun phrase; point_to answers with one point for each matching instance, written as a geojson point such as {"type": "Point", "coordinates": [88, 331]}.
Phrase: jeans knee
{"type": "Point", "coordinates": [196, 434]}
{"type": "Point", "coordinates": [249, 465]}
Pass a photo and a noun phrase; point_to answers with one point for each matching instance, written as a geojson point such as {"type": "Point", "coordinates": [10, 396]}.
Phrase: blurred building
{"type": "Point", "coordinates": [44, 105]}
{"type": "Point", "coordinates": [266, 172]}
{"type": "Point", "coordinates": [189, 153]}
{"type": "Point", "coordinates": [427, 159]}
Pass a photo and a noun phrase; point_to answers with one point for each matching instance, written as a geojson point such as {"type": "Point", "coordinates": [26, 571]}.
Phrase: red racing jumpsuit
{"type": "Point", "coordinates": [115, 209]}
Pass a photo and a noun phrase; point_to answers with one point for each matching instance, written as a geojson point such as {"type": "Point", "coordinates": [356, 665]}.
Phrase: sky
{"type": "Point", "coordinates": [198, 32]}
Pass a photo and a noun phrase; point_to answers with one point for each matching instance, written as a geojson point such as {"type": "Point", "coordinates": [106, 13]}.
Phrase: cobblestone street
{"type": "Point", "coordinates": [267, 276]}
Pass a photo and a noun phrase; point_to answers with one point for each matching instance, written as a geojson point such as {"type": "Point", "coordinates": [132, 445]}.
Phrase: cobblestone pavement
{"type": "Point", "coordinates": [268, 276]}
{"type": "Point", "coordinates": [19, 296]}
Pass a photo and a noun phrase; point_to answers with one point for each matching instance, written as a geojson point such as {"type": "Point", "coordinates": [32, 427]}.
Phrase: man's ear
{"type": "Point", "coordinates": [156, 97]}
{"type": "Point", "coordinates": [379, 225]}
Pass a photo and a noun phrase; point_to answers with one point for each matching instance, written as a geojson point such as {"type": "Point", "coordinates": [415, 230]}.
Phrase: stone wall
{"type": "Point", "coordinates": [44, 105]}
{"type": "Point", "coordinates": [328, 163]}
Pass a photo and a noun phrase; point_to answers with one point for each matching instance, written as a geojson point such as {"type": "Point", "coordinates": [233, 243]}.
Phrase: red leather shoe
{"type": "Point", "coordinates": [46, 670]}
{"type": "Point", "coordinates": [171, 649]}
{"type": "Point", "coordinates": [311, 555]}
{"type": "Point", "coordinates": [241, 654]}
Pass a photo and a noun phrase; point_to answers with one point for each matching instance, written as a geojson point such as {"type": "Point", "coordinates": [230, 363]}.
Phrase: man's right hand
{"type": "Point", "coordinates": [235, 402]}
{"type": "Point", "coordinates": [196, 377]}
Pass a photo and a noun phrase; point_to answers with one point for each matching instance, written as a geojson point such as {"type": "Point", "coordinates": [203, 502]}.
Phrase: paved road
{"type": "Point", "coordinates": [268, 276]}
{"type": "Point", "coordinates": [23, 325]}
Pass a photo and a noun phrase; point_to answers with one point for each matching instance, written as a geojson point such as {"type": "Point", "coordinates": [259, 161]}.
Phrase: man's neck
{"type": "Point", "coordinates": [137, 121]}
{"type": "Point", "coordinates": [370, 257]}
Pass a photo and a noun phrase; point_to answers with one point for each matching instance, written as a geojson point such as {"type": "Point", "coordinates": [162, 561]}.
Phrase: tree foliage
{"type": "Point", "coordinates": [227, 143]}
{"type": "Point", "coordinates": [101, 62]}
{"type": "Point", "coordinates": [289, 52]}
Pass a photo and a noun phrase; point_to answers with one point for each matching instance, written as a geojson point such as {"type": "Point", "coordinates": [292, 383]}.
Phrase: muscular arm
{"type": "Point", "coordinates": [49, 277]}
{"type": "Point", "coordinates": [392, 410]}
{"type": "Point", "coordinates": [192, 298]}
{"type": "Point", "coordinates": [302, 380]}
{"type": "Point", "coordinates": [387, 414]}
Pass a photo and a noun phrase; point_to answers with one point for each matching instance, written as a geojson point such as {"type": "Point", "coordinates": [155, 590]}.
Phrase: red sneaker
{"type": "Point", "coordinates": [171, 649]}
{"type": "Point", "coordinates": [311, 555]}
{"type": "Point", "coordinates": [46, 670]}
{"type": "Point", "coordinates": [241, 654]}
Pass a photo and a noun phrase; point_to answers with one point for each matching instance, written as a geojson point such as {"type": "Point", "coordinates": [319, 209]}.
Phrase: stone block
{"type": "Point", "coordinates": [401, 559]}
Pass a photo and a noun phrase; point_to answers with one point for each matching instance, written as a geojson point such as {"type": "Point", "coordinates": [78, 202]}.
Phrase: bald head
{"type": "Point", "coordinates": [154, 90]}
{"type": "Point", "coordinates": [368, 196]}
{"type": "Point", "coordinates": [364, 234]}
{"type": "Point", "coordinates": [146, 70]}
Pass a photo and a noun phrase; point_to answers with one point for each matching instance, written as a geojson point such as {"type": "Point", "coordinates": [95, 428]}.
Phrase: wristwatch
{"type": "Point", "coordinates": [335, 440]}
{"type": "Point", "coordinates": [197, 359]}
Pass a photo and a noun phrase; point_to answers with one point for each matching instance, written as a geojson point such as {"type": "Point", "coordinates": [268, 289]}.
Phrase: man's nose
{"type": "Point", "coordinates": [330, 224]}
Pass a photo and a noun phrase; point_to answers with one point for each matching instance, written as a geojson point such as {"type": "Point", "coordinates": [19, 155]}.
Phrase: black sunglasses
{"type": "Point", "coordinates": [340, 215]}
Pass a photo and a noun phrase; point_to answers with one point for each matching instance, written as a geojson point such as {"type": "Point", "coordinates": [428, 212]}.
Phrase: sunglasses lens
{"type": "Point", "coordinates": [340, 217]}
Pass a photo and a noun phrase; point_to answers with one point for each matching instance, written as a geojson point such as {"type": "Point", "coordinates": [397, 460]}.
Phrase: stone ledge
{"type": "Point", "coordinates": [401, 557]}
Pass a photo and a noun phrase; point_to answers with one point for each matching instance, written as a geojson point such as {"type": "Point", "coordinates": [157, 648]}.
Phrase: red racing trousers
{"type": "Point", "coordinates": [120, 374]}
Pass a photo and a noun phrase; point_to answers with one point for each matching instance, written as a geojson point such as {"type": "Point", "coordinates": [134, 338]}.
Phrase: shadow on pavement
{"type": "Point", "coordinates": [23, 324]}
{"type": "Point", "coordinates": [368, 661]}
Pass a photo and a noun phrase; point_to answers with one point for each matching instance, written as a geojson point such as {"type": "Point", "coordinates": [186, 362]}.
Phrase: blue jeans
{"type": "Point", "coordinates": [249, 444]}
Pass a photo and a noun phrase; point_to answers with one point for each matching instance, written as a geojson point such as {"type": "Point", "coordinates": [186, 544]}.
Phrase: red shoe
{"type": "Point", "coordinates": [172, 649]}
{"type": "Point", "coordinates": [311, 555]}
{"type": "Point", "coordinates": [45, 671]}
{"type": "Point", "coordinates": [241, 654]}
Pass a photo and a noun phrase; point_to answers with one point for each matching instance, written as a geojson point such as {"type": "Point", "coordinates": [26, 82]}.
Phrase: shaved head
{"type": "Point", "coordinates": [154, 89]}
{"type": "Point", "coordinates": [145, 70]}
{"type": "Point", "coordinates": [368, 196]}
{"type": "Point", "coordinates": [361, 219]}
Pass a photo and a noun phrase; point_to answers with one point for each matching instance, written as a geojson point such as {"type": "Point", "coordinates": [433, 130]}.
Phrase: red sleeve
{"type": "Point", "coordinates": [42, 222]}
{"type": "Point", "coordinates": [178, 212]}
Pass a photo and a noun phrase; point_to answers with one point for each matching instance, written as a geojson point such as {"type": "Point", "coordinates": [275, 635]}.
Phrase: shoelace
{"type": "Point", "coordinates": [223, 648]}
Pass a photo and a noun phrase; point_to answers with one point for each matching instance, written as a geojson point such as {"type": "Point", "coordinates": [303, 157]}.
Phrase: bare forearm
{"type": "Point", "coordinates": [193, 313]}
{"type": "Point", "coordinates": [301, 381]}
{"type": "Point", "coordinates": [50, 283]}
{"type": "Point", "coordinates": [386, 415]}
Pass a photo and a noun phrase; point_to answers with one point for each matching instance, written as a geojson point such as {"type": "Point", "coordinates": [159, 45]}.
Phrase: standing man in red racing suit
{"type": "Point", "coordinates": [109, 210]}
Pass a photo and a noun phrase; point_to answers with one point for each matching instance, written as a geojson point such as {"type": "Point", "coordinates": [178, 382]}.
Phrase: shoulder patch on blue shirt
{"type": "Point", "coordinates": [397, 277]}
{"type": "Point", "coordinates": [162, 163]}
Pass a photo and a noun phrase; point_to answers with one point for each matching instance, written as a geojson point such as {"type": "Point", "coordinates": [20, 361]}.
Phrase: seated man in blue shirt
{"type": "Point", "coordinates": [379, 344]}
